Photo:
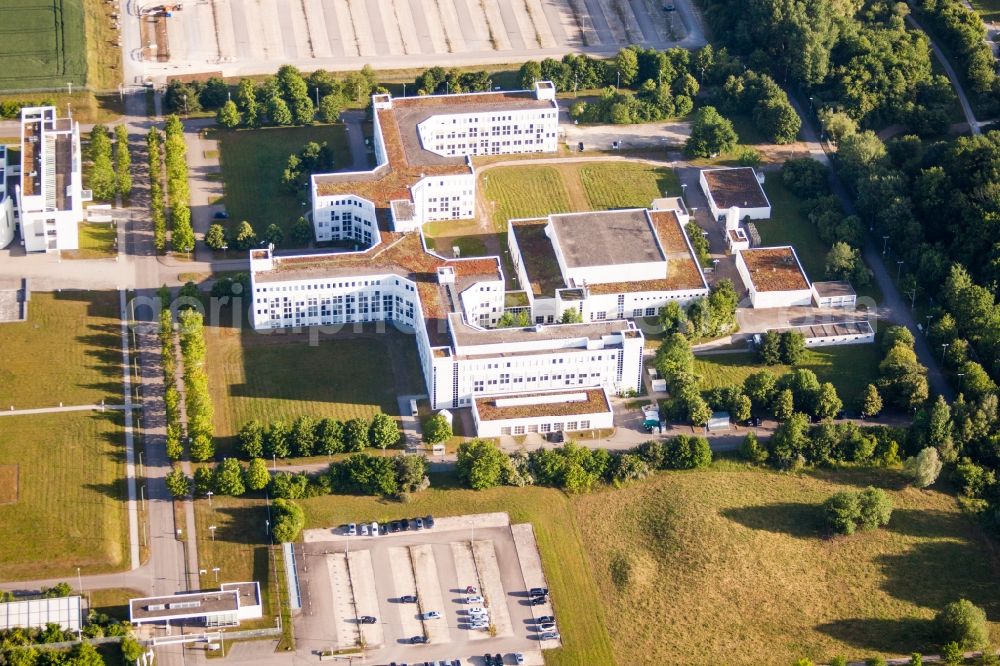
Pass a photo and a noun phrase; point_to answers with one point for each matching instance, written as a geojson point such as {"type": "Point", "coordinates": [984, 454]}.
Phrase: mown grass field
{"type": "Point", "coordinates": [43, 44]}
{"type": "Point", "coordinates": [626, 184]}
{"type": "Point", "coordinates": [270, 377]}
{"type": "Point", "coordinates": [444, 236]}
{"type": "Point", "coordinates": [731, 566]}
{"type": "Point", "coordinates": [239, 549]}
{"type": "Point", "coordinates": [849, 367]}
{"type": "Point", "coordinates": [252, 164]}
{"type": "Point", "coordinates": [71, 485]}
{"type": "Point", "coordinates": [583, 621]}
{"type": "Point", "coordinates": [69, 351]}
{"type": "Point", "coordinates": [523, 191]}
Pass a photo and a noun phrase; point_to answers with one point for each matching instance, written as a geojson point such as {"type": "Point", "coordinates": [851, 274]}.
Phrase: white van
{"type": "Point", "coordinates": [413, 409]}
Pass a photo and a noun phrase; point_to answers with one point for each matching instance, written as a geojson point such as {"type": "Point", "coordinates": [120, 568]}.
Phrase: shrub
{"type": "Point", "coordinates": [841, 512]}
{"type": "Point", "coordinates": [924, 467]}
{"type": "Point", "coordinates": [751, 449]}
{"type": "Point", "coordinates": [964, 623]}
{"type": "Point", "coordinates": [437, 429]}
{"type": "Point", "coordinates": [846, 512]}
{"type": "Point", "coordinates": [289, 519]}
{"type": "Point", "coordinates": [383, 432]}
{"type": "Point", "coordinates": [480, 464]}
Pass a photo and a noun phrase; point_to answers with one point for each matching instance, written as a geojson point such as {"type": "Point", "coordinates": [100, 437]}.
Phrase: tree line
{"type": "Point", "coordinates": [157, 211]}
{"type": "Point", "coordinates": [310, 436]}
{"type": "Point", "coordinates": [198, 401]}
{"type": "Point", "coordinates": [181, 231]}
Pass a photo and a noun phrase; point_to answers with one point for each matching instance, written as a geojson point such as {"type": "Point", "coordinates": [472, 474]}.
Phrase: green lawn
{"type": "Point", "coordinates": [43, 44]}
{"type": "Point", "coordinates": [78, 335]}
{"type": "Point", "coordinates": [626, 184]}
{"type": "Point", "coordinates": [69, 510]}
{"type": "Point", "coordinates": [577, 601]}
{"type": "Point", "coordinates": [97, 241]}
{"type": "Point", "coordinates": [849, 367]}
{"type": "Point", "coordinates": [524, 191]}
{"type": "Point", "coordinates": [730, 565]}
{"type": "Point", "coordinates": [252, 163]}
{"type": "Point", "coordinates": [269, 377]}
{"type": "Point", "coordinates": [445, 235]}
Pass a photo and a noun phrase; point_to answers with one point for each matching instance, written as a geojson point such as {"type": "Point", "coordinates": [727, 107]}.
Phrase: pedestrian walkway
{"type": "Point", "coordinates": [66, 408]}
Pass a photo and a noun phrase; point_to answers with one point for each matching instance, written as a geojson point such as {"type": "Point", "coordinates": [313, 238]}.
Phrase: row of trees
{"type": "Point", "coordinates": [309, 436]}
{"type": "Point", "coordinates": [109, 175]}
{"type": "Point", "coordinates": [313, 158]}
{"type": "Point", "coordinates": [198, 401]}
{"type": "Point", "coordinates": [481, 464]}
{"type": "Point", "coordinates": [181, 231]}
{"type": "Point", "coordinates": [243, 236]}
{"type": "Point", "coordinates": [83, 654]}
{"type": "Point", "coordinates": [776, 347]}
{"type": "Point", "coordinates": [227, 478]}
{"type": "Point", "coordinates": [964, 33]}
{"type": "Point", "coordinates": [157, 209]}
{"type": "Point", "coordinates": [902, 378]}
{"type": "Point", "coordinates": [171, 396]}
{"type": "Point", "coordinates": [706, 317]}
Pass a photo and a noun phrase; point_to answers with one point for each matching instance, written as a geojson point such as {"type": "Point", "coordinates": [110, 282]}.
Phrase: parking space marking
{"type": "Point", "coordinates": [272, 42]}
{"type": "Point", "coordinates": [429, 593]}
{"type": "Point", "coordinates": [525, 26]}
{"type": "Point", "coordinates": [347, 33]}
{"type": "Point", "coordinates": [435, 25]}
{"type": "Point", "coordinates": [465, 571]}
{"type": "Point", "coordinates": [531, 570]}
{"type": "Point", "coordinates": [362, 27]}
{"type": "Point", "coordinates": [497, 28]}
{"type": "Point", "coordinates": [316, 25]}
{"type": "Point", "coordinates": [474, 30]}
{"type": "Point", "coordinates": [452, 25]}
{"type": "Point", "coordinates": [489, 575]}
{"type": "Point", "coordinates": [542, 24]}
{"type": "Point", "coordinates": [305, 41]}
{"type": "Point", "coordinates": [343, 601]}
{"type": "Point", "coordinates": [365, 596]}
{"type": "Point", "coordinates": [411, 43]}
{"type": "Point", "coordinates": [403, 584]}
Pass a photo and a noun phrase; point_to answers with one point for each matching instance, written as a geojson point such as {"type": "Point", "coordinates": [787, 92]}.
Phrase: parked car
{"type": "Point", "coordinates": [555, 436]}
{"type": "Point", "coordinates": [545, 619]}
{"type": "Point", "coordinates": [364, 529]}
{"type": "Point", "coordinates": [477, 610]}
{"type": "Point", "coordinates": [374, 528]}
{"type": "Point", "coordinates": [418, 639]}
{"type": "Point", "coordinates": [383, 528]}
{"type": "Point", "coordinates": [548, 626]}
{"type": "Point", "coordinates": [408, 599]}
{"type": "Point", "coordinates": [404, 524]}
{"type": "Point", "coordinates": [221, 215]}
{"type": "Point", "coordinates": [537, 601]}
{"type": "Point", "coordinates": [418, 523]}
{"type": "Point", "coordinates": [488, 659]}
{"type": "Point", "coordinates": [669, 8]}
{"type": "Point", "coordinates": [538, 591]}
{"type": "Point", "coordinates": [394, 526]}
{"type": "Point", "coordinates": [498, 658]}
{"type": "Point", "coordinates": [550, 636]}
{"type": "Point", "coordinates": [470, 590]}
{"type": "Point", "coordinates": [352, 529]}
{"type": "Point", "coordinates": [518, 658]}
{"type": "Point", "coordinates": [432, 615]}
{"type": "Point", "coordinates": [474, 599]}
{"type": "Point", "coordinates": [428, 521]}
{"type": "Point", "coordinates": [367, 619]}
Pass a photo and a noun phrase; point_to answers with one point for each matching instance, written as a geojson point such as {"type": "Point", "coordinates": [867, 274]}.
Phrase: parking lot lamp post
{"type": "Point", "coordinates": [927, 329]}
{"type": "Point", "coordinates": [79, 581]}
{"type": "Point", "coordinates": [684, 189]}
{"type": "Point", "coordinates": [209, 494]}
{"type": "Point", "coordinates": [185, 104]}
{"type": "Point", "coordinates": [267, 527]}
{"type": "Point", "coordinates": [211, 528]}
{"type": "Point", "coordinates": [216, 571]}
{"type": "Point", "coordinates": [899, 269]}
{"type": "Point", "coordinates": [885, 244]}
{"type": "Point", "coordinates": [944, 347]}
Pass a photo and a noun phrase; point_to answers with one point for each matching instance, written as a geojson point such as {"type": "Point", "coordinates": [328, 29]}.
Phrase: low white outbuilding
{"type": "Point", "coordinates": [774, 277]}
{"type": "Point", "coordinates": [542, 412]}
{"type": "Point", "coordinates": [735, 191]}
{"type": "Point", "coordinates": [37, 613]}
{"type": "Point", "coordinates": [834, 294]}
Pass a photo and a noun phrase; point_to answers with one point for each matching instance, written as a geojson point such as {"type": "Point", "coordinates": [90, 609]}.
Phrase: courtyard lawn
{"type": "Point", "coordinates": [442, 237]}
{"type": "Point", "coordinates": [731, 565]}
{"type": "Point", "coordinates": [70, 509]}
{"type": "Point", "coordinates": [78, 335]}
{"type": "Point", "coordinates": [97, 241]}
{"type": "Point", "coordinates": [252, 163]}
{"type": "Point", "coordinates": [576, 599]}
{"type": "Point", "coordinates": [276, 376]}
{"type": "Point", "coordinates": [523, 191]}
{"type": "Point", "coordinates": [626, 184]}
{"type": "Point", "coordinates": [849, 367]}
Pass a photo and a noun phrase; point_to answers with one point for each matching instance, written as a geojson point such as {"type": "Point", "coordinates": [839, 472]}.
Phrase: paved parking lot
{"type": "Point", "coordinates": [344, 578]}
{"type": "Point", "coordinates": [241, 37]}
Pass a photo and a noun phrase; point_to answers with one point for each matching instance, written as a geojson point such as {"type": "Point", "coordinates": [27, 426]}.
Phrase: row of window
{"type": "Point", "coordinates": [546, 427]}
{"type": "Point", "coordinates": [333, 285]}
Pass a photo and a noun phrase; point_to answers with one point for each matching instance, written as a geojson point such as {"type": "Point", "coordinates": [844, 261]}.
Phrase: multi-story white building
{"type": "Point", "coordinates": [614, 264]}
{"type": "Point", "coordinates": [422, 148]}
{"type": "Point", "coordinates": [50, 194]}
{"type": "Point", "coordinates": [450, 305]}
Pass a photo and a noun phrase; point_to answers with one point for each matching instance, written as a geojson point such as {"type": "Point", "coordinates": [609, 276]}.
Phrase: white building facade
{"type": "Point", "coordinates": [547, 412]}
{"type": "Point", "coordinates": [50, 196]}
{"type": "Point", "coordinates": [422, 147]}
{"type": "Point", "coordinates": [735, 191]}
{"type": "Point", "coordinates": [774, 277]}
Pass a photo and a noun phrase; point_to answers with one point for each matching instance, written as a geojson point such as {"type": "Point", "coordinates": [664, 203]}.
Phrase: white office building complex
{"type": "Point", "coordinates": [453, 305]}
{"type": "Point", "coordinates": [50, 194]}
{"type": "Point", "coordinates": [7, 221]}
{"type": "Point", "coordinates": [423, 169]}
{"type": "Point", "coordinates": [613, 264]}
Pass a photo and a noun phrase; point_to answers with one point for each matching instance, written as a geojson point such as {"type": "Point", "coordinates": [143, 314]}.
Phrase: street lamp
{"type": "Point", "coordinates": [215, 570]}
{"type": "Point", "coordinates": [928, 327]}
{"type": "Point", "coordinates": [944, 346]}
{"type": "Point", "coordinates": [899, 269]}
{"type": "Point", "coordinates": [185, 104]}
{"type": "Point", "coordinates": [619, 84]}
{"type": "Point", "coordinates": [267, 527]}
{"type": "Point", "coordinates": [885, 244]}
{"type": "Point", "coordinates": [684, 189]}
{"type": "Point", "coordinates": [212, 528]}
{"type": "Point", "coordinates": [209, 493]}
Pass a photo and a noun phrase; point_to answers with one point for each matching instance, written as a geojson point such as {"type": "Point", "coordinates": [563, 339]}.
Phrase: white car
{"type": "Point", "coordinates": [474, 599]}
{"type": "Point", "coordinates": [374, 528]}
{"type": "Point", "coordinates": [518, 657]}
{"type": "Point", "coordinates": [477, 610]}
{"type": "Point", "coordinates": [352, 529]}
{"type": "Point", "coordinates": [432, 615]}
{"type": "Point", "coordinates": [364, 529]}
{"type": "Point", "coordinates": [478, 625]}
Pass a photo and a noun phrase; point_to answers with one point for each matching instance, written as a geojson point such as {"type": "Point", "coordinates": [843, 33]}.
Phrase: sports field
{"type": "Point", "coordinates": [42, 44]}
{"type": "Point", "coordinates": [68, 511]}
